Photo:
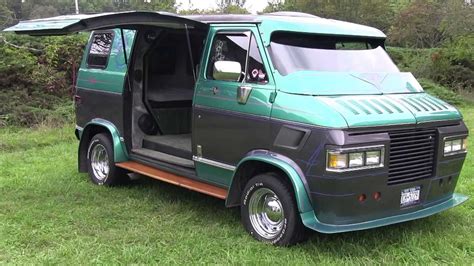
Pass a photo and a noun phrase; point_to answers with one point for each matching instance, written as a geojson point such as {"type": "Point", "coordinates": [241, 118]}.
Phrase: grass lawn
{"type": "Point", "coordinates": [49, 213]}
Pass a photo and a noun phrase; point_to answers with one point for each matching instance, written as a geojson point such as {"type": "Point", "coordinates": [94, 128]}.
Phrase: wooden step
{"type": "Point", "coordinates": [174, 179]}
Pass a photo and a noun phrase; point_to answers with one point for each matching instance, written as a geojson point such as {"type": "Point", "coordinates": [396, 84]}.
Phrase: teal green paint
{"type": "Point", "coordinates": [257, 104]}
{"type": "Point", "coordinates": [318, 83]}
{"type": "Point", "coordinates": [362, 110]}
{"type": "Point", "coordinates": [311, 221]}
{"type": "Point", "coordinates": [422, 105]}
{"type": "Point", "coordinates": [301, 195]}
{"type": "Point", "coordinates": [111, 78]}
{"type": "Point", "coordinates": [120, 151]}
{"type": "Point", "coordinates": [306, 109]}
{"type": "Point", "coordinates": [214, 174]}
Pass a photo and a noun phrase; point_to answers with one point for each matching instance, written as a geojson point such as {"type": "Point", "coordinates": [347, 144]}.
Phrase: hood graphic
{"type": "Point", "coordinates": [343, 83]}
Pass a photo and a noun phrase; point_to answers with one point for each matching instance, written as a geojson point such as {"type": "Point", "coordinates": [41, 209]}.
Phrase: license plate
{"type": "Point", "coordinates": [410, 196]}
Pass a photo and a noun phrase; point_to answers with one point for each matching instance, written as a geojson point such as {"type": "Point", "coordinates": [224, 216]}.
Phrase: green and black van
{"type": "Point", "coordinates": [302, 122]}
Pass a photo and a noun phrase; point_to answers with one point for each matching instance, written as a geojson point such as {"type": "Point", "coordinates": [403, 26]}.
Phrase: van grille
{"type": "Point", "coordinates": [412, 154]}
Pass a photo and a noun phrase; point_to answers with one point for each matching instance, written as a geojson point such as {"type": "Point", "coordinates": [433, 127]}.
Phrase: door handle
{"type": "Point", "coordinates": [243, 93]}
{"type": "Point", "coordinates": [215, 90]}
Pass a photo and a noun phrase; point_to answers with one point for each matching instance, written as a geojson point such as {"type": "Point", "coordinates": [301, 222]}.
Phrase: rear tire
{"type": "Point", "coordinates": [100, 162]}
{"type": "Point", "coordinates": [269, 211]}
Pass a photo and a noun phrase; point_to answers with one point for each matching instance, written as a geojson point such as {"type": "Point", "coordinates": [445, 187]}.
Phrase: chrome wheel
{"type": "Point", "coordinates": [100, 162]}
{"type": "Point", "coordinates": [266, 213]}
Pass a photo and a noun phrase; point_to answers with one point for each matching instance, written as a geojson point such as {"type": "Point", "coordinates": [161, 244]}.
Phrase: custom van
{"type": "Point", "coordinates": [302, 122]}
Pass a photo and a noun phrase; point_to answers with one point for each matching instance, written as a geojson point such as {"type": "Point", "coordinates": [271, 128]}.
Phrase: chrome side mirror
{"type": "Point", "coordinates": [227, 70]}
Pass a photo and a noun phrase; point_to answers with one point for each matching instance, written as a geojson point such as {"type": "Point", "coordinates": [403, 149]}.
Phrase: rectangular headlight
{"type": "Point", "coordinates": [454, 145]}
{"type": "Point", "coordinates": [357, 158]}
{"type": "Point", "coordinates": [373, 157]}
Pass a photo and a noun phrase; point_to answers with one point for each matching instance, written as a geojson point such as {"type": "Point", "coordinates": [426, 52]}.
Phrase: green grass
{"type": "Point", "coordinates": [51, 214]}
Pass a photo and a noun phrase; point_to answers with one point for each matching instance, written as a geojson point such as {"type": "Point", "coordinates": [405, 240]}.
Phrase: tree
{"type": "Point", "coordinates": [418, 25]}
{"type": "Point", "coordinates": [44, 8]}
{"type": "Point", "coordinates": [223, 4]}
{"type": "Point", "coordinates": [458, 20]}
{"type": "Point", "coordinates": [231, 7]}
{"type": "Point", "coordinates": [43, 12]}
{"type": "Point", "coordinates": [6, 15]}
{"type": "Point", "coordinates": [377, 13]}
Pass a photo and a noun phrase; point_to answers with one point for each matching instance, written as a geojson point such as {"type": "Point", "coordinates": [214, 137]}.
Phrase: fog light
{"type": "Point", "coordinates": [377, 195]}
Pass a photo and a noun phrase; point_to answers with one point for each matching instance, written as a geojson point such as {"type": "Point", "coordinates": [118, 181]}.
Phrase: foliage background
{"type": "Point", "coordinates": [434, 39]}
{"type": "Point", "coordinates": [50, 214]}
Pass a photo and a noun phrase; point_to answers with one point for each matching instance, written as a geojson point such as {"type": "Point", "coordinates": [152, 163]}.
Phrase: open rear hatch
{"type": "Point", "coordinates": [62, 25]}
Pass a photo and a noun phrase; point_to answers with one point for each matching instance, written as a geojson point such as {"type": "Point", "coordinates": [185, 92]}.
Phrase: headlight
{"type": "Point", "coordinates": [454, 145]}
{"type": "Point", "coordinates": [347, 159]}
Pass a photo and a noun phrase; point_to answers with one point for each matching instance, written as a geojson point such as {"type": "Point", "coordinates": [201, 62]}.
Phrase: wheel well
{"type": "Point", "coordinates": [86, 137]}
{"type": "Point", "coordinates": [245, 172]}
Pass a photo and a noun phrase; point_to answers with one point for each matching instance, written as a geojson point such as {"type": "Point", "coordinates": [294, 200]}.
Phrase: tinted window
{"type": "Point", "coordinates": [293, 52]}
{"type": "Point", "coordinates": [100, 49]}
{"type": "Point", "coordinates": [235, 47]}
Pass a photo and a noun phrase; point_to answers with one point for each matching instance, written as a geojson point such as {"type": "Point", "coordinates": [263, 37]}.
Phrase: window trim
{"type": "Point", "coordinates": [90, 66]}
{"type": "Point", "coordinates": [253, 35]}
{"type": "Point", "coordinates": [238, 31]}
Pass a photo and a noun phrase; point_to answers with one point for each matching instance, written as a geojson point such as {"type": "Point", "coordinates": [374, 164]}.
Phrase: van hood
{"type": "Point", "coordinates": [384, 110]}
{"type": "Point", "coordinates": [355, 111]}
{"type": "Point", "coordinates": [344, 83]}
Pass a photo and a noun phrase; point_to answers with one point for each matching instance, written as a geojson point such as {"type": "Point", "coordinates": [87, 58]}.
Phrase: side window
{"type": "Point", "coordinates": [99, 51]}
{"type": "Point", "coordinates": [240, 47]}
{"type": "Point", "coordinates": [256, 72]}
{"type": "Point", "coordinates": [228, 47]}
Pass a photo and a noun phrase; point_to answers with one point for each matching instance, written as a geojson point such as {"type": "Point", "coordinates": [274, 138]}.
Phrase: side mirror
{"type": "Point", "coordinates": [227, 70]}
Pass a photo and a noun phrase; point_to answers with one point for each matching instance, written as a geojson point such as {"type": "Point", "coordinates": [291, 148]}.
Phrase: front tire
{"type": "Point", "coordinates": [269, 211]}
{"type": "Point", "coordinates": [100, 162]}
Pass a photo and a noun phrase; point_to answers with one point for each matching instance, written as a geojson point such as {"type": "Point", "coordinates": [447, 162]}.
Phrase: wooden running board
{"type": "Point", "coordinates": [174, 179]}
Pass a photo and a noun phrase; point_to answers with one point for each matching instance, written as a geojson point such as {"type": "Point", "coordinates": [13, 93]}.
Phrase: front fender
{"type": "Point", "coordinates": [289, 167]}
{"type": "Point", "coordinates": [120, 151]}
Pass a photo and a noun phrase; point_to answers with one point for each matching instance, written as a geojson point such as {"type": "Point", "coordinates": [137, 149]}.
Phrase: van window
{"type": "Point", "coordinates": [235, 47]}
{"type": "Point", "coordinates": [256, 72]}
{"type": "Point", "coordinates": [100, 50]}
{"type": "Point", "coordinates": [293, 52]}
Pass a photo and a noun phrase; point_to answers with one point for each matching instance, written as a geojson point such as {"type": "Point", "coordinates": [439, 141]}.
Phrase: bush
{"type": "Point", "coordinates": [36, 81]}
{"type": "Point", "coordinates": [451, 65]}
{"type": "Point", "coordinates": [441, 92]}
{"type": "Point", "coordinates": [416, 61]}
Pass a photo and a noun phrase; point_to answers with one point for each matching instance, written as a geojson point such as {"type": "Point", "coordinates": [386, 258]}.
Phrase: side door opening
{"type": "Point", "coordinates": [163, 90]}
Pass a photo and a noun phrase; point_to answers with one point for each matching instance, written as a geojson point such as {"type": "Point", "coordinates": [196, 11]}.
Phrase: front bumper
{"type": "Point", "coordinates": [311, 221]}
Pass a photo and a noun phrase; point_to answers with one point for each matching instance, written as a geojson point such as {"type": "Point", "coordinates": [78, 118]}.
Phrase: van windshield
{"type": "Point", "coordinates": [292, 52]}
